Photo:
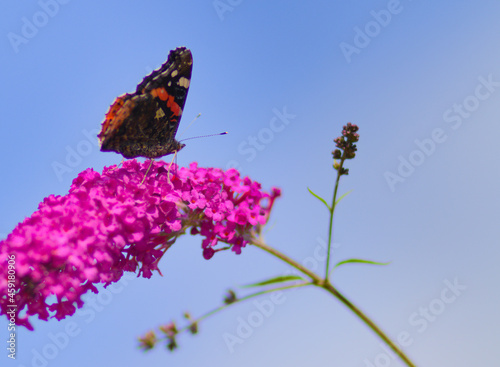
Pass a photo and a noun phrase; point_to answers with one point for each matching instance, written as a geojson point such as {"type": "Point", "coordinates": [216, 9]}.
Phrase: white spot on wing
{"type": "Point", "coordinates": [159, 113]}
{"type": "Point", "coordinates": [183, 82]}
{"type": "Point", "coordinates": [174, 73]}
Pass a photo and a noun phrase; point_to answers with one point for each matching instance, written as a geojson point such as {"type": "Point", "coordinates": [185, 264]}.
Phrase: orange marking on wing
{"type": "Point", "coordinates": [115, 107]}
{"type": "Point", "coordinates": [117, 113]}
{"type": "Point", "coordinates": [164, 96]}
{"type": "Point", "coordinates": [110, 117]}
{"type": "Point", "coordinates": [160, 93]}
{"type": "Point", "coordinates": [176, 109]}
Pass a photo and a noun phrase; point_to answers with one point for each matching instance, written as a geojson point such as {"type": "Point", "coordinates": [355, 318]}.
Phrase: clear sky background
{"type": "Point", "coordinates": [420, 78]}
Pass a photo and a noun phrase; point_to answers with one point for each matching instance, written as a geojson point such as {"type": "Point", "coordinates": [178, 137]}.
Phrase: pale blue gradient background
{"type": "Point", "coordinates": [441, 223]}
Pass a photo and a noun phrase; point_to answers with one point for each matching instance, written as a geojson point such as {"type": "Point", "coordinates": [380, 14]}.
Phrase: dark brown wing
{"type": "Point", "coordinates": [144, 124]}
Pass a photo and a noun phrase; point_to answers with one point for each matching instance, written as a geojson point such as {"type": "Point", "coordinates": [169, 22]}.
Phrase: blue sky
{"type": "Point", "coordinates": [420, 78]}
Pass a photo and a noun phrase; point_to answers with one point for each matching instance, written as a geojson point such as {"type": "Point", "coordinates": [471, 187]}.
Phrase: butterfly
{"type": "Point", "coordinates": [144, 123]}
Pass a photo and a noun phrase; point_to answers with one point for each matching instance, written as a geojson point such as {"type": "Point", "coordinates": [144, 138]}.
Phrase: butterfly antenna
{"type": "Point", "coordinates": [204, 136]}
{"type": "Point", "coordinates": [189, 125]}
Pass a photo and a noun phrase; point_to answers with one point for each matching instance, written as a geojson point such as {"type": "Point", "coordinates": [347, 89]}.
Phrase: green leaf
{"type": "Point", "coordinates": [343, 196]}
{"type": "Point", "coordinates": [319, 198]}
{"type": "Point", "coordinates": [350, 261]}
{"type": "Point", "coordinates": [279, 279]}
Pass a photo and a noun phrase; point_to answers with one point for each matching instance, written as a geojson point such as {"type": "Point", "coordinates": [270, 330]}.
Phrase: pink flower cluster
{"type": "Point", "coordinates": [114, 222]}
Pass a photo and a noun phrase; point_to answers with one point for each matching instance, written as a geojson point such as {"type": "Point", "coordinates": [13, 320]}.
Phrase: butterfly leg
{"type": "Point", "coordinates": [119, 164]}
{"type": "Point", "coordinates": [170, 165]}
{"type": "Point", "coordinates": [151, 160]}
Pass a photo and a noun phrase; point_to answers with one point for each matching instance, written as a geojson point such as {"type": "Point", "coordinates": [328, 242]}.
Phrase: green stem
{"type": "Point", "coordinates": [330, 228]}
{"type": "Point", "coordinates": [258, 242]}
{"type": "Point", "coordinates": [330, 288]}
{"type": "Point", "coordinates": [220, 308]}
{"type": "Point", "coordinates": [332, 211]}
{"type": "Point", "coordinates": [325, 284]}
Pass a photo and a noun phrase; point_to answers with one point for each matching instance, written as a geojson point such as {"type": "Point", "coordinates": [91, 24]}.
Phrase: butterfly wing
{"type": "Point", "coordinates": [144, 124]}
